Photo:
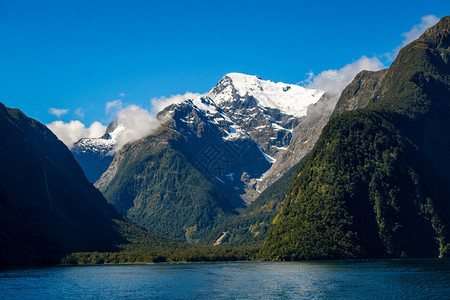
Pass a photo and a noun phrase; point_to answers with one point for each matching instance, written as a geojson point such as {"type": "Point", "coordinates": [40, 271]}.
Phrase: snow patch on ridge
{"type": "Point", "coordinates": [267, 157]}
{"type": "Point", "coordinates": [235, 132]}
{"type": "Point", "coordinates": [278, 127]}
{"type": "Point", "coordinates": [206, 104]}
{"type": "Point", "coordinates": [103, 145]}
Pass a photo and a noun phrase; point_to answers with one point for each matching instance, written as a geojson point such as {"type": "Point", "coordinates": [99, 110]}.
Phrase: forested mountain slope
{"type": "Point", "coordinates": [377, 182]}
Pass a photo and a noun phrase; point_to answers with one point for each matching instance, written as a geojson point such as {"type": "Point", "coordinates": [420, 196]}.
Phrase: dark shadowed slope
{"type": "Point", "coordinates": [47, 206]}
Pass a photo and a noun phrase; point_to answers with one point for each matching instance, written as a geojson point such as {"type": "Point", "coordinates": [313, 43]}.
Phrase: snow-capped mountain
{"type": "Point", "coordinates": [96, 154]}
{"type": "Point", "coordinates": [239, 108]}
{"type": "Point", "coordinates": [207, 156]}
{"type": "Point", "coordinates": [266, 110]}
{"type": "Point", "coordinates": [289, 99]}
{"type": "Point", "coordinates": [243, 110]}
{"type": "Point", "coordinates": [247, 105]}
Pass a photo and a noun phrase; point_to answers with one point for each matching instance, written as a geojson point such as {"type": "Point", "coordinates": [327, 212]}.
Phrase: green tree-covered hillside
{"type": "Point", "coordinates": [377, 183]}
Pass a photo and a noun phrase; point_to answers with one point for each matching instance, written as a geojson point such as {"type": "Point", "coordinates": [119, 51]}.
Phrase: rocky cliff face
{"type": "Point", "coordinates": [366, 88]}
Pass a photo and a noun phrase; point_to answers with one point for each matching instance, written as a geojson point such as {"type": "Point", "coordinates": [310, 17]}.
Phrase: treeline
{"type": "Point", "coordinates": [191, 254]}
{"type": "Point", "coordinates": [146, 247]}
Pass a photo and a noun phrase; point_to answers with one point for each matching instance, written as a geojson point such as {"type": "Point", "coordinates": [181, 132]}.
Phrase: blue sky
{"type": "Point", "coordinates": [80, 55]}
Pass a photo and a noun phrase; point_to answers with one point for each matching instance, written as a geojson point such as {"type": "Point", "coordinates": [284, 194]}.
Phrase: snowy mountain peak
{"type": "Point", "coordinates": [102, 146]}
{"type": "Point", "coordinates": [290, 99]}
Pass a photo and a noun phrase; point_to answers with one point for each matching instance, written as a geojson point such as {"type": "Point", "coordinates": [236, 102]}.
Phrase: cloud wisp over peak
{"type": "Point", "coordinates": [160, 103]}
{"type": "Point", "coordinates": [334, 81]}
{"type": "Point", "coordinates": [71, 132]}
{"type": "Point", "coordinates": [138, 123]}
{"type": "Point", "coordinates": [413, 34]}
{"type": "Point", "coordinates": [113, 106]}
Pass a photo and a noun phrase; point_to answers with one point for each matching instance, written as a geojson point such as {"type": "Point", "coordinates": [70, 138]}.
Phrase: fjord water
{"type": "Point", "coordinates": [393, 279]}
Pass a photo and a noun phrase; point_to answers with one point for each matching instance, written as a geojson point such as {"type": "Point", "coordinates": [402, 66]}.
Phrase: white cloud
{"type": "Point", "coordinates": [70, 133]}
{"type": "Point", "coordinates": [159, 104]}
{"type": "Point", "coordinates": [334, 81]}
{"type": "Point", "coordinates": [58, 111]}
{"type": "Point", "coordinates": [79, 112]}
{"type": "Point", "coordinates": [113, 105]}
{"type": "Point", "coordinates": [415, 32]}
{"type": "Point", "coordinates": [138, 123]}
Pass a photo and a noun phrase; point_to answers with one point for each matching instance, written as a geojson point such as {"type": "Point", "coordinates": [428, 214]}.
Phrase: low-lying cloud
{"type": "Point", "coordinates": [71, 132]}
{"type": "Point", "coordinates": [334, 81]}
{"type": "Point", "coordinates": [138, 123]}
{"type": "Point", "coordinates": [159, 104]}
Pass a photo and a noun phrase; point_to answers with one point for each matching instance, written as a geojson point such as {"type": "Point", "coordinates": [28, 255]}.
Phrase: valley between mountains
{"type": "Point", "coordinates": [253, 169]}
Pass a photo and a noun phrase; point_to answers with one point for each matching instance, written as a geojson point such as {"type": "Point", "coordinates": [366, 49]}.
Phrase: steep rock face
{"type": "Point", "coordinates": [364, 89]}
{"type": "Point", "coordinates": [47, 206]}
{"type": "Point", "coordinates": [304, 137]}
{"type": "Point", "coordinates": [221, 149]}
{"type": "Point", "coordinates": [265, 110]}
{"type": "Point", "coordinates": [376, 183]}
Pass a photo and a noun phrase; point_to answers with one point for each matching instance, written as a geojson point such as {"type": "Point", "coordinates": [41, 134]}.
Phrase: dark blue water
{"type": "Point", "coordinates": [388, 279]}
